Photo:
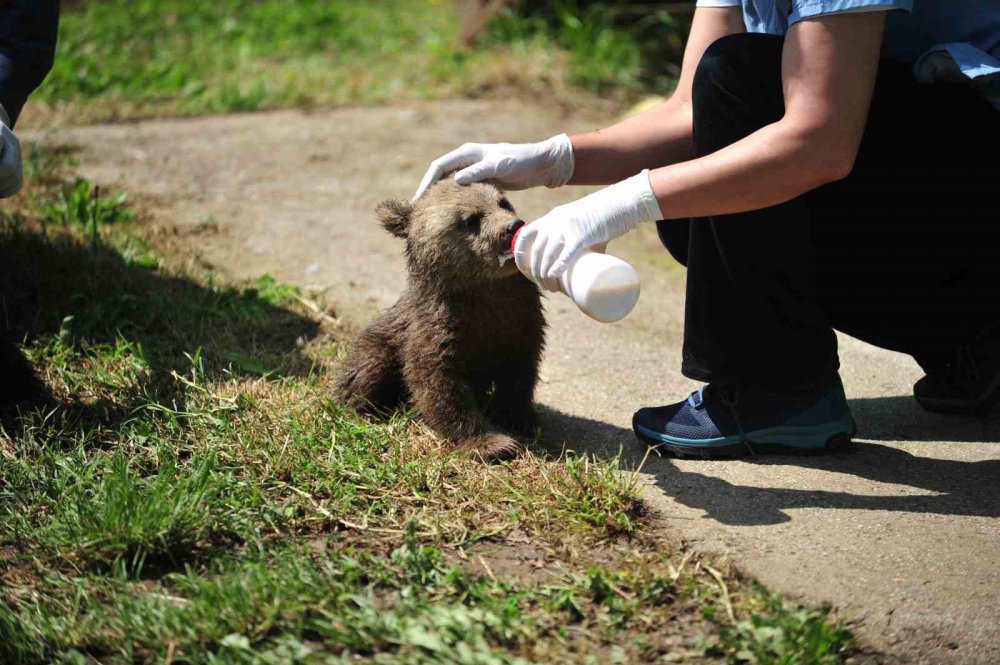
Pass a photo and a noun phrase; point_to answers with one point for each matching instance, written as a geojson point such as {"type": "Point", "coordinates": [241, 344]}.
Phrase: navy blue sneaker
{"type": "Point", "coordinates": [726, 421]}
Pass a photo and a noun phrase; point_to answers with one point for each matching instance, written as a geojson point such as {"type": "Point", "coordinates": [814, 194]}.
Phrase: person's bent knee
{"type": "Point", "coordinates": [736, 60]}
{"type": "Point", "coordinates": [736, 90]}
{"type": "Point", "coordinates": [675, 234]}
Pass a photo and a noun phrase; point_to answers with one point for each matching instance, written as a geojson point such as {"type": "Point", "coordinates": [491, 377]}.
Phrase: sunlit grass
{"type": "Point", "coordinates": [123, 59]}
{"type": "Point", "coordinates": [138, 58]}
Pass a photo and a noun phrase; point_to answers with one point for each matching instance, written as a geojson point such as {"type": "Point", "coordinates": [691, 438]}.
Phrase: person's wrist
{"type": "Point", "coordinates": [647, 208]}
{"type": "Point", "coordinates": [630, 202]}
{"type": "Point", "coordinates": [560, 149]}
{"type": "Point", "coordinates": [612, 212]}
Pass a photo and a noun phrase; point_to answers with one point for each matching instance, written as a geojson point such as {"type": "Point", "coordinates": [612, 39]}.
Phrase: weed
{"type": "Point", "coordinates": [271, 291]}
{"type": "Point", "coordinates": [779, 634]}
{"type": "Point", "coordinates": [106, 512]}
{"type": "Point", "coordinates": [599, 493]}
{"type": "Point", "coordinates": [81, 205]}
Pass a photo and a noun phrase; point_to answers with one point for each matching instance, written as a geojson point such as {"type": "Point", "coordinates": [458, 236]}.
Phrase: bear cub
{"type": "Point", "coordinates": [463, 343]}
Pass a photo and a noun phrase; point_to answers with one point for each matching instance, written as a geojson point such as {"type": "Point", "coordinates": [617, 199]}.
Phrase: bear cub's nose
{"type": "Point", "coordinates": [513, 225]}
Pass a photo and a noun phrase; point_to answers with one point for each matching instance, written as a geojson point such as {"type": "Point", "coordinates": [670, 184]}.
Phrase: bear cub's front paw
{"type": "Point", "coordinates": [491, 447]}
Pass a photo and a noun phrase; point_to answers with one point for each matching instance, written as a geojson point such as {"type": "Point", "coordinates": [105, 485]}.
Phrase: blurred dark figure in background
{"type": "Point", "coordinates": [27, 46]}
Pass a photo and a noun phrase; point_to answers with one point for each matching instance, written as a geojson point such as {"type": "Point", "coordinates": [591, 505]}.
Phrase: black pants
{"type": "Point", "coordinates": [904, 253]}
{"type": "Point", "coordinates": [28, 30]}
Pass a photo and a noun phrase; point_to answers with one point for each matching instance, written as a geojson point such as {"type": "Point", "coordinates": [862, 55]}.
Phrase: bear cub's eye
{"type": "Point", "coordinates": [505, 204]}
{"type": "Point", "coordinates": [471, 223]}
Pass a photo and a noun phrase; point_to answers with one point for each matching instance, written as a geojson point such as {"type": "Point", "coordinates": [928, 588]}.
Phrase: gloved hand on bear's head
{"type": "Point", "coordinates": [510, 165]}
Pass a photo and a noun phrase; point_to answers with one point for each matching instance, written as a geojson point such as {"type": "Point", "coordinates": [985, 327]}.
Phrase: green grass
{"type": "Point", "coordinates": [81, 204]}
{"type": "Point", "coordinates": [776, 633]}
{"type": "Point", "coordinates": [198, 497]}
{"type": "Point", "coordinates": [405, 606]}
{"type": "Point", "coordinates": [610, 49]}
{"type": "Point", "coordinates": [136, 58]}
{"type": "Point", "coordinates": [121, 59]}
{"type": "Point", "coordinates": [105, 510]}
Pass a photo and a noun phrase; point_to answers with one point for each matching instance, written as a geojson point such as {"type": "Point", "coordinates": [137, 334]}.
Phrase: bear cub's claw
{"type": "Point", "coordinates": [492, 447]}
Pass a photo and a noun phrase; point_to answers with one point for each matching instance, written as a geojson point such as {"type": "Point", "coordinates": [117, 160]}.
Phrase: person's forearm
{"type": "Point", "coordinates": [826, 99]}
{"type": "Point", "coordinates": [771, 166]}
{"type": "Point", "coordinates": [656, 137]}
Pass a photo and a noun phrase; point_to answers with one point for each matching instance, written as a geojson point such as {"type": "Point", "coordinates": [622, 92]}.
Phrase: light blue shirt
{"type": "Point", "coordinates": [946, 40]}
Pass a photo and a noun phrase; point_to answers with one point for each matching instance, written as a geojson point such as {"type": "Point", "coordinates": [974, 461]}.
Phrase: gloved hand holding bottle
{"type": "Point", "coordinates": [547, 247]}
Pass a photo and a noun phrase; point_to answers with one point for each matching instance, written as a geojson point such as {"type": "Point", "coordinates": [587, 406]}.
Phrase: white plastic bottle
{"type": "Point", "coordinates": [604, 287]}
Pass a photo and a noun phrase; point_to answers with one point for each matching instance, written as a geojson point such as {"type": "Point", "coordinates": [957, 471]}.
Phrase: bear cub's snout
{"type": "Point", "coordinates": [464, 341]}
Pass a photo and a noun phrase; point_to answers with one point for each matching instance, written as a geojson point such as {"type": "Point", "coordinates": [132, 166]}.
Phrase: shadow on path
{"type": "Point", "coordinates": [900, 418]}
{"type": "Point", "coordinates": [54, 286]}
{"type": "Point", "coordinates": [945, 487]}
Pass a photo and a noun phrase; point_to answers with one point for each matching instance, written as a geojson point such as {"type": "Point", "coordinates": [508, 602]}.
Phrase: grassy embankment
{"type": "Point", "coordinates": [126, 59]}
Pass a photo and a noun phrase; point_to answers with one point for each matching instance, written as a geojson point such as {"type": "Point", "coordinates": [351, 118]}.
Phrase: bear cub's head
{"type": "Point", "coordinates": [456, 234]}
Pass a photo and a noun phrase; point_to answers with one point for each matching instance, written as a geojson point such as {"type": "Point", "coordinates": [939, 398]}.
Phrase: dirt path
{"type": "Point", "coordinates": [901, 534]}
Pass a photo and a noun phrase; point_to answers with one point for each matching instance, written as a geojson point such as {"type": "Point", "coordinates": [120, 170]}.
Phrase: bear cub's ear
{"type": "Point", "coordinates": [395, 216]}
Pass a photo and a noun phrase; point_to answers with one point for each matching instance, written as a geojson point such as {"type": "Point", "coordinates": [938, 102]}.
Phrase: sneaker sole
{"type": "Point", "coordinates": [827, 438]}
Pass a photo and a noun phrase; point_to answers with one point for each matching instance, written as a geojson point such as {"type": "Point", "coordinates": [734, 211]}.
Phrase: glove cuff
{"type": "Point", "coordinates": [614, 211]}
{"type": "Point", "coordinates": [563, 162]}
{"type": "Point", "coordinates": [647, 197]}
{"type": "Point", "coordinates": [637, 195]}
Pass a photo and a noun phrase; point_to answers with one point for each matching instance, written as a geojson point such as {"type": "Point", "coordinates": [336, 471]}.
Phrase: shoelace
{"type": "Point", "coordinates": [963, 371]}
{"type": "Point", "coordinates": [729, 399]}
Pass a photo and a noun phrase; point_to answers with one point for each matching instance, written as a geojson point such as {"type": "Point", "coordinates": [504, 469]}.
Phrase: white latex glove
{"type": "Point", "coordinates": [548, 245]}
{"type": "Point", "coordinates": [511, 165]}
{"type": "Point", "coordinates": [10, 158]}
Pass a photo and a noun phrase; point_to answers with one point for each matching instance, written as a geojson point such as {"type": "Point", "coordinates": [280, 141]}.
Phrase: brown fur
{"type": "Point", "coordinates": [463, 342]}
